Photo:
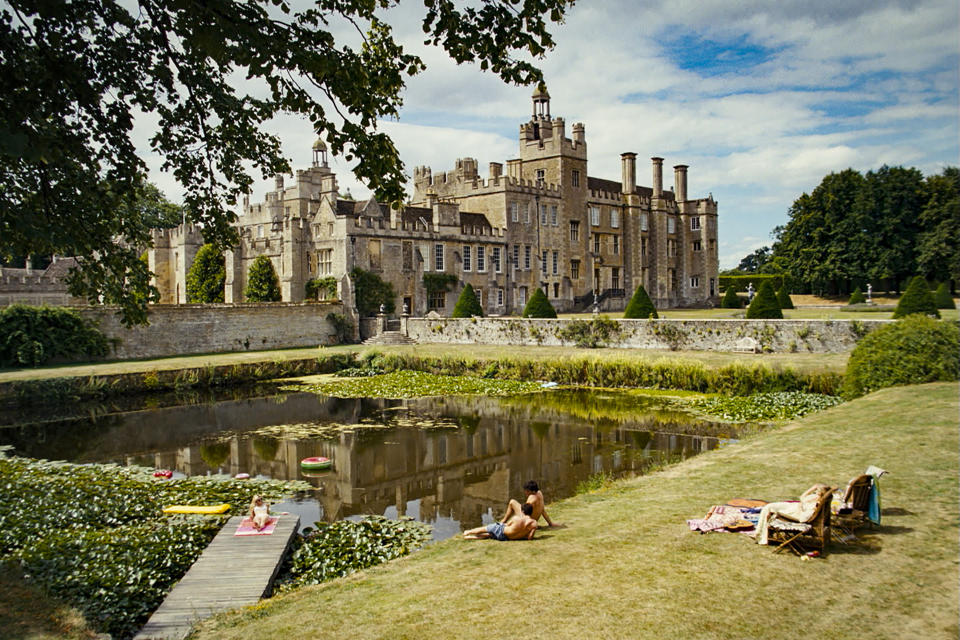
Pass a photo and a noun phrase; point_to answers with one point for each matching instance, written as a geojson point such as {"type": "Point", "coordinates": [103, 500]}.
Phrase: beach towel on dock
{"type": "Point", "coordinates": [246, 528]}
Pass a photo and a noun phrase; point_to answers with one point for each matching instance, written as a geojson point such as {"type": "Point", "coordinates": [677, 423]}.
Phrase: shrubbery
{"type": "Point", "coordinates": [30, 336]}
{"type": "Point", "coordinates": [467, 304]}
{"type": "Point", "coordinates": [914, 350]}
{"type": "Point", "coordinates": [538, 306]}
{"type": "Point", "coordinates": [598, 332]}
{"type": "Point", "coordinates": [730, 299]}
{"type": "Point", "coordinates": [942, 297]}
{"type": "Point", "coordinates": [371, 291]}
{"type": "Point", "coordinates": [207, 275]}
{"type": "Point", "coordinates": [857, 297]}
{"type": "Point", "coordinates": [783, 298]}
{"type": "Point", "coordinates": [263, 285]}
{"type": "Point", "coordinates": [316, 286]}
{"type": "Point", "coordinates": [916, 299]}
{"type": "Point", "coordinates": [640, 306]}
{"type": "Point", "coordinates": [764, 304]}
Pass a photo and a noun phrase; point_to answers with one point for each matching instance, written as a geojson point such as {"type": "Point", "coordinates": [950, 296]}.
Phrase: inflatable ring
{"type": "Point", "coordinates": [316, 463]}
{"type": "Point", "coordinates": [242, 476]}
{"type": "Point", "coordinates": [163, 473]}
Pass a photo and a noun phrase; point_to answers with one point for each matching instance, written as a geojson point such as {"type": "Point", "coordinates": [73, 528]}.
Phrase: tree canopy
{"type": "Point", "coordinates": [879, 227]}
{"type": "Point", "coordinates": [75, 77]}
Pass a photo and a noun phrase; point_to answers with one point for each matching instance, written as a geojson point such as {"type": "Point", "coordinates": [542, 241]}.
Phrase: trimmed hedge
{"type": "Point", "coordinates": [538, 306]}
{"type": "Point", "coordinates": [942, 297]}
{"type": "Point", "coordinates": [783, 298]}
{"type": "Point", "coordinates": [857, 297]}
{"type": "Point", "coordinates": [916, 299]}
{"type": "Point", "coordinates": [467, 304]}
{"type": "Point", "coordinates": [640, 306]}
{"type": "Point", "coordinates": [915, 350]}
{"type": "Point", "coordinates": [731, 300]}
{"type": "Point", "coordinates": [764, 304]}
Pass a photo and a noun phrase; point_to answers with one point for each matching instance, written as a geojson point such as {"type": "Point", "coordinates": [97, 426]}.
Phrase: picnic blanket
{"type": "Point", "coordinates": [246, 527]}
{"type": "Point", "coordinates": [738, 515]}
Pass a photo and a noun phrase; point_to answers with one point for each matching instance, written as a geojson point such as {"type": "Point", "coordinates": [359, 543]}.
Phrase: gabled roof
{"type": "Point", "coordinates": [474, 220]}
{"type": "Point", "coordinates": [612, 186]}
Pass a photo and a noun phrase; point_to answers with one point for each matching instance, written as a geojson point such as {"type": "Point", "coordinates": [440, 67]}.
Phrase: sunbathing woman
{"type": "Point", "coordinates": [802, 511]}
{"type": "Point", "coordinates": [259, 513]}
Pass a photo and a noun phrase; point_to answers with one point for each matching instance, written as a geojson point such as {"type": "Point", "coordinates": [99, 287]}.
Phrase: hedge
{"type": "Point", "coordinates": [740, 282]}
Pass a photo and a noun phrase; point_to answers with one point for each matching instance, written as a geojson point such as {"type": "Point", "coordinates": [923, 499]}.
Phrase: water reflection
{"type": "Point", "coordinates": [456, 475]}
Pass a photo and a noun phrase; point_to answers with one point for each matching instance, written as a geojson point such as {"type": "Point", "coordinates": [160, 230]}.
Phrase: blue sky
{"type": "Point", "coordinates": [761, 99]}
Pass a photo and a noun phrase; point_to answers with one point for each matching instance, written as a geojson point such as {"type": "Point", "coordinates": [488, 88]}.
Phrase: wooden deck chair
{"type": "Point", "coordinates": [814, 534]}
{"type": "Point", "coordinates": [855, 504]}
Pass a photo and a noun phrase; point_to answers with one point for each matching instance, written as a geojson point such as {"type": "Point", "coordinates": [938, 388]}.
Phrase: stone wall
{"type": "Point", "coordinates": [185, 329]}
{"type": "Point", "coordinates": [817, 336]}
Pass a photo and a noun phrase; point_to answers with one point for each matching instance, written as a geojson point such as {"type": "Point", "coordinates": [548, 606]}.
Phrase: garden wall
{"type": "Point", "coordinates": [817, 336]}
{"type": "Point", "coordinates": [184, 329]}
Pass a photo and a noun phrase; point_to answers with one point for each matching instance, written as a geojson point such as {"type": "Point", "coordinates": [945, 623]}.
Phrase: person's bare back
{"type": "Point", "coordinates": [536, 502]}
{"type": "Point", "coordinates": [520, 527]}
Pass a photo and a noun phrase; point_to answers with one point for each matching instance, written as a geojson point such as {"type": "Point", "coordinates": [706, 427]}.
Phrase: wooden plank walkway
{"type": "Point", "coordinates": [233, 571]}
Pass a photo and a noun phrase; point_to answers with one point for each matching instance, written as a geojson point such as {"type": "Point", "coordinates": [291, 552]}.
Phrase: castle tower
{"type": "Point", "coordinates": [541, 103]}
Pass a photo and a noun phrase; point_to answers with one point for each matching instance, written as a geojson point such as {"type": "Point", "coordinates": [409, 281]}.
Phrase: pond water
{"type": "Point", "coordinates": [452, 462]}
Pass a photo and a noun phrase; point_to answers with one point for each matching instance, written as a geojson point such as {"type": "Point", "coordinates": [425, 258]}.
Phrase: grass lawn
{"type": "Point", "coordinates": [799, 361]}
{"type": "Point", "coordinates": [26, 613]}
{"type": "Point", "coordinates": [626, 565]}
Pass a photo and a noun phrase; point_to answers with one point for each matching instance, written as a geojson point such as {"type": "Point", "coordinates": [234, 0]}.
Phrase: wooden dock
{"type": "Point", "coordinates": [233, 571]}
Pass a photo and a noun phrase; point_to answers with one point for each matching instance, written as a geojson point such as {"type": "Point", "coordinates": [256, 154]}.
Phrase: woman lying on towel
{"type": "Point", "coordinates": [802, 511]}
{"type": "Point", "coordinates": [259, 513]}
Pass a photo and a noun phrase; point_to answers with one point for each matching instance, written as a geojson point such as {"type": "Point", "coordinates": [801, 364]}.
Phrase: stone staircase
{"type": "Point", "coordinates": [389, 337]}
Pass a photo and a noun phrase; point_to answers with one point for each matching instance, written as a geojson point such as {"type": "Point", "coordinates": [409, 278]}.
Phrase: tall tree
{"type": "Point", "coordinates": [263, 285]}
{"type": "Point", "coordinates": [892, 200]}
{"type": "Point", "coordinates": [755, 261]}
{"type": "Point", "coordinates": [207, 275]}
{"type": "Point", "coordinates": [74, 76]}
{"type": "Point", "coordinates": [938, 243]}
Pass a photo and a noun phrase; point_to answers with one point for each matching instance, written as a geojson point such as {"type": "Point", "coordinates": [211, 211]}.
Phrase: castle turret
{"type": "Point", "coordinates": [541, 103]}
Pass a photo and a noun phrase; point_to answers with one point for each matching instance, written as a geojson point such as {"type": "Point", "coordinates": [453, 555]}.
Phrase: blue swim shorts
{"type": "Point", "coordinates": [496, 531]}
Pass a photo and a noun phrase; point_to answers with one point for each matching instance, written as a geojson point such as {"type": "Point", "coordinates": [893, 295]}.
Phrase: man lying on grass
{"type": "Point", "coordinates": [520, 527]}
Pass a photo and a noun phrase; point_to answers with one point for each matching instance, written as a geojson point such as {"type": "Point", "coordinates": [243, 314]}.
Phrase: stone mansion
{"type": "Point", "coordinates": [540, 220]}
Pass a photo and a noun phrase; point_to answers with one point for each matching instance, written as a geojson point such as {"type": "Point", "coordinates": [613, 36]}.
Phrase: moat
{"type": "Point", "coordinates": [452, 462]}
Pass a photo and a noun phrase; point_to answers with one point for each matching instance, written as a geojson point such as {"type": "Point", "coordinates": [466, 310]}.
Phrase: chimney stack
{"type": "Point", "coordinates": [680, 182]}
{"type": "Point", "coordinates": [628, 164]}
{"type": "Point", "coordinates": [657, 177]}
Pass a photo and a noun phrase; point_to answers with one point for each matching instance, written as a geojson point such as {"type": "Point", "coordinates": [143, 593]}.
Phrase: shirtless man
{"type": "Point", "coordinates": [520, 527]}
{"type": "Point", "coordinates": [534, 499]}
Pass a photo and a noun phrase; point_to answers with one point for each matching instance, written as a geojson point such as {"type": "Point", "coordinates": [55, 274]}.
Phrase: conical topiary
{"type": "Point", "coordinates": [916, 299]}
{"type": "Point", "coordinates": [730, 298]}
{"type": "Point", "coordinates": [764, 304]}
{"type": "Point", "coordinates": [857, 297]}
{"type": "Point", "coordinates": [942, 297]}
{"type": "Point", "coordinates": [467, 304]}
{"type": "Point", "coordinates": [263, 285]}
{"type": "Point", "coordinates": [783, 298]}
{"type": "Point", "coordinates": [206, 276]}
{"type": "Point", "coordinates": [538, 306]}
{"type": "Point", "coordinates": [640, 305]}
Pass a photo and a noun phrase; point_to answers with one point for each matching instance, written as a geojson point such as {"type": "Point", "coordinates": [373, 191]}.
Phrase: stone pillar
{"type": "Point", "coordinates": [680, 182]}
{"type": "Point", "coordinates": [628, 165]}
{"type": "Point", "coordinates": [657, 177]}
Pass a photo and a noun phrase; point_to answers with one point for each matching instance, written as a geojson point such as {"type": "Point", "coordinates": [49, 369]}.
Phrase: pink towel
{"type": "Point", "coordinates": [246, 528]}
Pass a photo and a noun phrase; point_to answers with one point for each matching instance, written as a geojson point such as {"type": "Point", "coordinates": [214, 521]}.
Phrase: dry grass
{"type": "Point", "coordinates": [626, 566]}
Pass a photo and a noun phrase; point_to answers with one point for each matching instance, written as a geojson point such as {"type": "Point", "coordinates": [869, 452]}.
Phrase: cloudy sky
{"type": "Point", "coordinates": [760, 98]}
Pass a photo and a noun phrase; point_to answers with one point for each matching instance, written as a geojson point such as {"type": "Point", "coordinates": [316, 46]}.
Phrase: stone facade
{"type": "Point", "coordinates": [32, 286]}
{"type": "Point", "coordinates": [543, 223]}
{"type": "Point", "coordinates": [777, 336]}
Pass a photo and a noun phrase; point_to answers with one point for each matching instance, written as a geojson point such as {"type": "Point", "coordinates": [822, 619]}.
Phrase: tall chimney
{"type": "Point", "coordinates": [278, 182]}
{"type": "Point", "coordinates": [680, 182]}
{"type": "Point", "coordinates": [657, 177]}
{"type": "Point", "coordinates": [628, 164]}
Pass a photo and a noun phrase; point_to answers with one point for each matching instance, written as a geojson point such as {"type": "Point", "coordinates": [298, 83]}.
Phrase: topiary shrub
{"type": "Point", "coordinates": [263, 285]}
{"type": "Point", "coordinates": [942, 297]}
{"type": "Point", "coordinates": [206, 276]}
{"type": "Point", "coordinates": [467, 304]}
{"type": "Point", "coordinates": [783, 298]}
{"type": "Point", "coordinates": [764, 305]}
{"type": "Point", "coordinates": [730, 299]}
{"type": "Point", "coordinates": [538, 306]}
{"type": "Point", "coordinates": [915, 350]}
{"type": "Point", "coordinates": [857, 297]}
{"type": "Point", "coordinates": [916, 299]}
{"type": "Point", "coordinates": [640, 305]}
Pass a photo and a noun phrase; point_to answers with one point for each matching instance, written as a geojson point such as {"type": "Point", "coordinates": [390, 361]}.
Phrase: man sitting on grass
{"type": "Point", "coordinates": [534, 499]}
{"type": "Point", "coordinates": [519, 527]}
